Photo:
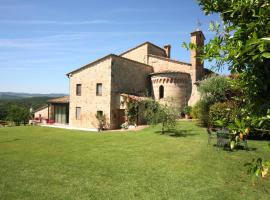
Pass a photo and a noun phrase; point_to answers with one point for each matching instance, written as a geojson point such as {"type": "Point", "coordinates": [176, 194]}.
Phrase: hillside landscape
{"type": "Point", "coordinates": [26, 100]}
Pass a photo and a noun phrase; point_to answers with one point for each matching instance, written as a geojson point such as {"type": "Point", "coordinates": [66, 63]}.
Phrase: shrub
{"type": "Point", "coordinates": [132, 112]}
{"type": "Point", "coordinates": [195, 111]}
{"type": "Point", "coordinates": [101, 121]}
{"type": "Point", "coordinates": [212, 89]}
{"type": "Point", "coordinates": [226, 111]}
{"type": "Point", "coordinates": [156, 113]}
{"type": "Point", "coordinates": [187, 109]}
{"type": "Point", "coordinates": [201, 109]}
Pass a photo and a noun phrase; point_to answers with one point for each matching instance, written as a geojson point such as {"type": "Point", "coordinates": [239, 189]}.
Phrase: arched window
{"type": "Point", "coordinates": [161, 92]}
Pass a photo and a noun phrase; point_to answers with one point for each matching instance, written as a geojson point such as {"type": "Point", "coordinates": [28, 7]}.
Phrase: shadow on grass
{"type": "Point", "coordinates": [237, 148]}
{"type": "Point", "coordinates": [176, 133]}
{"type": "Point", "coordinates": [16, 139]}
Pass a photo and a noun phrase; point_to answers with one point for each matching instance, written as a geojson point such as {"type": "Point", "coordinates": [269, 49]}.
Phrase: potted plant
{"type": "Point", "coordinates": [101, 121]}
{"type": "Point", "coordinates": [124, 125]}
{"type": "Point", "coordinates": [239, 127]}
{"type": "Point", "coordinates": [240, 130]}
{"type": "Point", "coordinates": [187, 110]}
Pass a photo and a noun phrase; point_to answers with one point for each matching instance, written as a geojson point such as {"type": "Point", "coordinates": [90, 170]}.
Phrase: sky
{"type": "Point", "coordinates": [42, 40]}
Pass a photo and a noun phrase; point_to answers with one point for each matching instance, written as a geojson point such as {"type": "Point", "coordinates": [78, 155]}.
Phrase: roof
{"type": "Point", "coordinates": [87, 65]}
{"type": "Point", "coordinates": [142, 45]}
{"type": "Point", "coordinates": [198, 31]}
{"type": "Point", "coordinates": [168, 72]}
{"type": "Point", "coordinates": [134, 97]}
{"type": "Point", "coordinates": [169, 59]}
{"type": "Point", "coordinates": [104, 58]}
{"type": "Point", "coordinates": [64, 99]}
{"type": "Point", "coordinates": [41, 108]}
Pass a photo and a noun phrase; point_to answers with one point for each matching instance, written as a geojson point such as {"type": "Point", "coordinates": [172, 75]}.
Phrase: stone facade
{"type": "Point", "coordinates": [127, 77]}
{"type": "Point", "coordinates": [139, 71]}
{"type": "Point", "coordinates": [41, 113]}
{"type": "Point", "coordinates": [175, 88]}
{"type": "Point", "coordinates": [88, 101]}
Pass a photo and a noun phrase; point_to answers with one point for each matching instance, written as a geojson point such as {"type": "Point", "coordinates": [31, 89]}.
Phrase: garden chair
{"type": "Point", "coordinates": [223, 138]}
{"type": "Point", "coordinates": [210, 135]}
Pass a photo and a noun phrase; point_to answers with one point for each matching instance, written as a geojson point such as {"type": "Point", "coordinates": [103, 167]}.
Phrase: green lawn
{"type": "Point", "coordinates": [48, 163]}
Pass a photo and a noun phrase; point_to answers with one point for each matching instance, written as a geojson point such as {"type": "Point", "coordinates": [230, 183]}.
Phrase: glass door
{"type": "Point", "coordinates": [60, 114]}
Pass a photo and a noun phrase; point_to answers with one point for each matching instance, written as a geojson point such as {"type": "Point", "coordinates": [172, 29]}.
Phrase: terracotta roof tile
{"type": "Point", "coordinates": [64, 99]}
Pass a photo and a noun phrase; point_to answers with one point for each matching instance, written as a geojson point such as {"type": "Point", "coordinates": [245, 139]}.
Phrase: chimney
{"type": "Point", "coordinates": [168, 50]}
{"type": "Point", "coordinates": [197, 38]}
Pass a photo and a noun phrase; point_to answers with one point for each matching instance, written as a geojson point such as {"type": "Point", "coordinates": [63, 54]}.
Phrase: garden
{"type": "Point", "coordinates": [223, 154]}
{"type": "Point", "coordinates": [48, 163]}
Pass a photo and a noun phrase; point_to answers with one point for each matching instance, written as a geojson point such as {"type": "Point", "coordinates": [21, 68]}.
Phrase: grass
{"type": "Point", "coordinates": [48, 163]}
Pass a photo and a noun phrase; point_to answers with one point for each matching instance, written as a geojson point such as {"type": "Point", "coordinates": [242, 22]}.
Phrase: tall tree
{"type": "Point", "coordinates": [242, 42]}
{"type": "Point", "coordinates": [18, 114]}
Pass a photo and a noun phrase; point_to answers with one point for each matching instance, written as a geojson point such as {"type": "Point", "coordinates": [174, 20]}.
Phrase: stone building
{"type": "Point", "coordinates": [41, 113]}
{"type": "Point", "coordinates": [97, 88]}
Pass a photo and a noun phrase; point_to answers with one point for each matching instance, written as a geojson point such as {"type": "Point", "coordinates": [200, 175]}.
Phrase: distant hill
{"type": "Point", "coordinates": [17, 96]}
{"type": "Point", "coordinates": [27, 100]}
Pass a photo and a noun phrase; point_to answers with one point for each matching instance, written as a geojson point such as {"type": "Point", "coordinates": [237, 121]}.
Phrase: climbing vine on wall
{"type": "Point", "coordinates": [132, 111]}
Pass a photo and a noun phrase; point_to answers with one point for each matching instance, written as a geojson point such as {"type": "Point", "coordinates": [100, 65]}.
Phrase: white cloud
{"type": "Point", "coordinates": [83, 22]}
{"type": "Point", "coordinates": [22, 43]}
{"type": "Point", "coordinates": [52, 22]}
{"type": "Point", "coordinates": [62, 38]}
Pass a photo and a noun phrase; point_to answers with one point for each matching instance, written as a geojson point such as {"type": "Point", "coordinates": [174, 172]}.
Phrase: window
{"type": "Point", "coordinates": [99, 113]}
{"type": "Point", "coordinates": [79, 89]}
{"type": "Point", "coordinates": [161, 92]}
{"type": "Point", "coordinates": [78, 113]}
{"type": "Point", "coordinates": [99, 89]}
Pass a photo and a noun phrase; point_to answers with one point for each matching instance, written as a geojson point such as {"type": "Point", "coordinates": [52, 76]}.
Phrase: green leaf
{"type": "Point", "coordinates": [266, 55]}
{"type": "Point", "coordinates": [266, 38]}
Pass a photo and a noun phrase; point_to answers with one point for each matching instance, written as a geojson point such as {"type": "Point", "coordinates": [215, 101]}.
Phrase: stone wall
{"type": "Point", "coordinates": [160, 64]}
{"type": "Point", "coordinates": [99, 72]}
{"type": "Point", "coordinates": [138, 54]}
{"type": "Point", "coordinates": [153, 50]}
{"type": "Point", "coordinates": [127, 77]}
{"type": "Point", "coordinates": [177, 89]}
{"type": "Point", "coordinates": [43, 113]}
{"type": "Point", "coordinates": [197, 38]}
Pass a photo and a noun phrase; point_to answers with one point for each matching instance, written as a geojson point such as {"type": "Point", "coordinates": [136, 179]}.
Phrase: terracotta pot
{"type": "Point", "coordinates": [247, 131]}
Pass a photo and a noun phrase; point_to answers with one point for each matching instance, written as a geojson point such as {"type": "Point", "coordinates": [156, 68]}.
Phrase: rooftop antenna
{"type": "Point", "coordinates": [199, 24]}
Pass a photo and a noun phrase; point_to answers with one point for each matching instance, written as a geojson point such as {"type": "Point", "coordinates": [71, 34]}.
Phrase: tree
{"type": "Point", "coordinates": [212, 90]}
{"type": "Point", "coordinates": [156, 113]}
{"type": "Point", "coordinates": [3, 112]}
{"type": "Point", "coordinates": [18, 114]}
{"type": "Point", "coordinates": [243, 43]}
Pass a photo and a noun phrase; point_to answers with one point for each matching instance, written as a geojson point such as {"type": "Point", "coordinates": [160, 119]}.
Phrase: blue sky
{"type": "Point", "coordinates": [41, 41]}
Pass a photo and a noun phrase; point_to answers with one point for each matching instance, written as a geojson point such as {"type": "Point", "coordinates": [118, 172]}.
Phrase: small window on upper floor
{"type": "Point", "coordinates": [79, 89]}
{"type": "Point", "coordinates": [99, 89]}
{"type": "Point", "coordinates": [161, 92]}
